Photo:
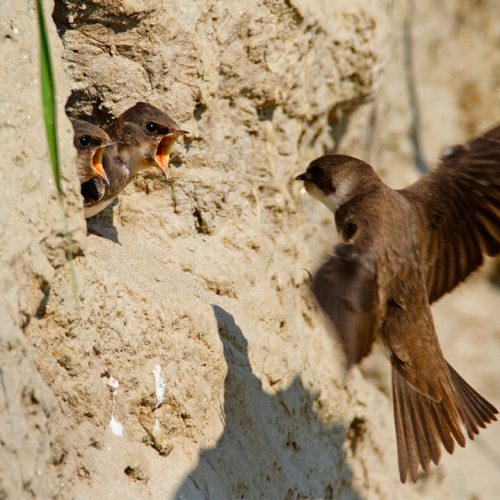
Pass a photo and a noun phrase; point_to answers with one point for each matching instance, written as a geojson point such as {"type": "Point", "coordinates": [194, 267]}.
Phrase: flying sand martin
{"type": "Point", "coordinates": [401, 251]}
{"type": "Point", "coordinates": [144, 138]}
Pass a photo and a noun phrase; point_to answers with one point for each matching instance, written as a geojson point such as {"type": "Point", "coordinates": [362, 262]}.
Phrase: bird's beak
{"type": "Point", "coordinates": [111, 144]}
{"type": "Point", "coordinates": [97, 164]}
{"type": "Point", "coordinates": [303, 177]}
{"type": "Point", "coordinates": [163, 150]}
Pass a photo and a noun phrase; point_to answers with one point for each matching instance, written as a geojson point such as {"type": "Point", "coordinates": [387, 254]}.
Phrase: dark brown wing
{"type": "Point", "coordinates": [345, 287]}
{"type": "Point", "coordinates": [460, 201]}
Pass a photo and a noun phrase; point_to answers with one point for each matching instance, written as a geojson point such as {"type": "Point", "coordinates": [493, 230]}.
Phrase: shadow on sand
{"type": "Point", "coordinates": [273, 446]}
{"type": "Point", "coordinates": [102, 224]}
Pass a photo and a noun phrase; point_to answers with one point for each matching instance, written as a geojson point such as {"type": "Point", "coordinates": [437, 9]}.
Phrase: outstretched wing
{"type": "Point", "coordinates": [460, 201]}
{"type": "Point", "coordinates": [345, 287]}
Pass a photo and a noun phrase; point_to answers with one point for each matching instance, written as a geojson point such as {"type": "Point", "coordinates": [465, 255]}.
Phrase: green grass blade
{"type": "Point", "coordinates": [48, 91]}
{"type": "Point", "coordinates": [48, 97]}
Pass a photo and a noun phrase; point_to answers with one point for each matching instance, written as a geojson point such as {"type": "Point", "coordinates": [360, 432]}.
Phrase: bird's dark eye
{"type": "Point", "coordinates": [151, 127]}
{"type": "Point", "coordinates": [84, 140]}
{"type": "Point", "coordinates": [350, 230]}
{"type": "Point", "coordinates": [315, 172]}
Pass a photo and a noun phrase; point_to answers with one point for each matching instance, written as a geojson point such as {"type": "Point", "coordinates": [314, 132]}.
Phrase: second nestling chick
{"type": "Point", "coordinates": [144, 138]}
{"type": "Point", "coordinates": [90, 142]}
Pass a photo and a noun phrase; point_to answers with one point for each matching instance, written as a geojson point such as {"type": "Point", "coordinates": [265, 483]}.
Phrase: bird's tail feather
{"type": "Point", "coordinates": [422, 424]}
{"type": "Point", "coordinates": [474, 410]}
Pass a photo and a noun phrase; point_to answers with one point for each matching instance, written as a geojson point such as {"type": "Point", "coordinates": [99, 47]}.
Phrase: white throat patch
{"type": "Point", "coordinates": [334, 200]}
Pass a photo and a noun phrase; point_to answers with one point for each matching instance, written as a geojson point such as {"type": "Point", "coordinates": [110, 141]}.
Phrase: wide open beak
{"type": "Point", "coordinates": [164, 149]}
{"type": "Point", "coordinates": [97, 164]}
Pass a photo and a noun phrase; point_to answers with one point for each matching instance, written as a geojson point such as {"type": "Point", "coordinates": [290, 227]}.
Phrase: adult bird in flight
{"type": "Point", "coordinates": [401, 251]}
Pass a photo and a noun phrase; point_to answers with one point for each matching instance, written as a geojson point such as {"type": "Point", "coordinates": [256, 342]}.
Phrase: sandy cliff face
{"type": "Point", "coordinates": [205, 278]}
{"type": "Point", "coordinates": [31, 255]}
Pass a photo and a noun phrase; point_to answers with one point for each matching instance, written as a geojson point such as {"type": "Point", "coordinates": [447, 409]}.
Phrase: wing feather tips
{"type": "Point", "coordinates": [398, 423]}
{"type": "Point", "coordinates": [345, 289]}
{"type": "Point", "coordinates": [429, 431]}
{"type": "Point", "coordinates": [460, 205]}
{"type": "Point", "coordinates": [475, 410]}
{"type": "Point", "coordinates": [416, 433]}
{"type": "Point", "coordinates": [419, 426]}
{"type": "Point", "coordinates": [422, 425]}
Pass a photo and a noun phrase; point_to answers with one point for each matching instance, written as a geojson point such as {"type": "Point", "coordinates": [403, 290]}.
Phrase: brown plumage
{"type": "Point", "coordinates": [402, 250]}
{"type": "Point", "coordinates": [144, 138]}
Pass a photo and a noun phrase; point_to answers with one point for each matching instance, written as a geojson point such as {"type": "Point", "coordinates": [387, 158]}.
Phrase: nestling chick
{"type": "Point", "coordinates": [144, 138]}
{"type": "Point", "coordinates": [89, 141]}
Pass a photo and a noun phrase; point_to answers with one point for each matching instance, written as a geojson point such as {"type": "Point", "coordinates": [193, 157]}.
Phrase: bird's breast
{"type": "Point", "coordinates": [91, 210]}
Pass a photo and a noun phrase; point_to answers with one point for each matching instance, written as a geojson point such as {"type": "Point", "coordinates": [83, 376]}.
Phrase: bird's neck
{"type": "Point", "coordinates": [116, 170]}
{"type": "Point", "coordinates": [131, 159]}
{"type": "Point", "coordinates": [134, 165]}
{"type": "Point", "coordinates": [355, 202]}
